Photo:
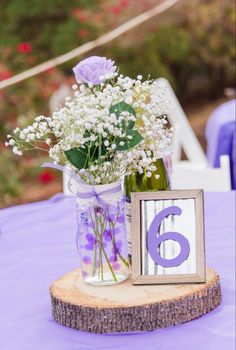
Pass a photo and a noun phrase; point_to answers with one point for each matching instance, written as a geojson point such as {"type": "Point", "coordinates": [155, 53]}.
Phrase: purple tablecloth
{"type": "Point", "coordinates": [220, 136]}
{"type": "Point", "coordinates": [37, 246]}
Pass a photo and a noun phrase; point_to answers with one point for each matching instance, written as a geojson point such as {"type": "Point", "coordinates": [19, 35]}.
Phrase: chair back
{"type": "Point", "coordinates": [184, 136]}
{"type": "Point", "coordinates": [189, 175]}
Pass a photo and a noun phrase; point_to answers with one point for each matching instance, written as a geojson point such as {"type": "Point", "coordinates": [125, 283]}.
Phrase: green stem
{"type": "Point", "coordinates": [123, 259]}
{"type": "Point", "coordinates": [95, 250]}
{"type": "Point", "coordinates": [101, 263]}
{"type": "Point", "coordinates": [101, 247]}
{"type": "Point", "coordinates": [108, 262]}
{"type": "Point", "coordinates": [99, 230]}
{"type": "Point", "coordinates": [112, 228]}
{"type": "Point", "coordinates": [94, 259]}
{"type": "Point", "coordinates": [100, 147]}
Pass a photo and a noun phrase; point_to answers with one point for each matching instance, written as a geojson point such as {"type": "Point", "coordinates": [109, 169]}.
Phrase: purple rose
{"type": "Point", "coordinates": [94, 70]}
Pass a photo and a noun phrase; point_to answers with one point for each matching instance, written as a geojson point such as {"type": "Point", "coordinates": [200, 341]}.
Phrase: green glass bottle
{"type": "Point", "coordinates": [141, 183]}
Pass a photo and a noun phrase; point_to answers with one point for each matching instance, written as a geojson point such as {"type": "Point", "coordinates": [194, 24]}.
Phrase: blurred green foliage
{"type": "Point", "coordinates": [192, 45]}
{"type": "Point", "coordinates": [9, 185]}
{"type": "Point", "coordinates": [52, 27]}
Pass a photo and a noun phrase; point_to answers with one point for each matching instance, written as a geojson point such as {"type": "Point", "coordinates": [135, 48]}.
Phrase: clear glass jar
{"type": "Point", "coordinates": [101, 239]}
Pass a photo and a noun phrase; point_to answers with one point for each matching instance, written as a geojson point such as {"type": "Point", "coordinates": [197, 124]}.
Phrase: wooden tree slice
{"type": "Point", "coordinates": [126, 308]}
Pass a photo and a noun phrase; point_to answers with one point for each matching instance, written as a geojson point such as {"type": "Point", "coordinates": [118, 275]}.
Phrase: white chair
{"type": "Point", "coordinates": [189, 175]}
{"type": "Point", "coordinates": [58, 97]}
{"type": "Point", "coordinates": [194, 173]}
{"type": "Point", "coordinates": [184, 136]}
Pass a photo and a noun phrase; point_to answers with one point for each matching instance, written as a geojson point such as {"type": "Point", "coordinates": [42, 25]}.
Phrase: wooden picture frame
{"type": "Point", "coordinates": [148, 266]}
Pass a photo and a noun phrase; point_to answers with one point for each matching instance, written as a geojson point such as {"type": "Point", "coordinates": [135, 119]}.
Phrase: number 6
{"type": "Point", "coordinates": [153, 242]}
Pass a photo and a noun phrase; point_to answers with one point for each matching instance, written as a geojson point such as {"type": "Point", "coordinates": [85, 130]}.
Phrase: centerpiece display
{"type": "Point", "coordinates": [112, 126]}
{"type": "Point", "coordinates": [111, 137]}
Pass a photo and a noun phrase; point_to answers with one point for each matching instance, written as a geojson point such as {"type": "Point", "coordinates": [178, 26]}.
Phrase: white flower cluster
{"type": "Point", "coordinates": [91, 125]}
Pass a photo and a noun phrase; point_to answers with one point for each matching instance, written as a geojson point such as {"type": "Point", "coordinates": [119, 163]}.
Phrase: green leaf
{"type": "Point", "coordinates": [82, 158]}
{"type": "Point", "coordinates": [78, 157]}
{"type": "Point", "coordinates": [136, 139]}
{"type": "Point", "coordinates": [120, 107]}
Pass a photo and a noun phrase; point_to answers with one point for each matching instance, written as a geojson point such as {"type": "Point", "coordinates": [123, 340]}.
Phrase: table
{"type": "Point", "coordinates": [220, 135]}
{"type": "Point", "coordinates": [37, 245]}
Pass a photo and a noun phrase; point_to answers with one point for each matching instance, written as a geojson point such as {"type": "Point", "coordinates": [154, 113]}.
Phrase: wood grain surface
{"type": "Point", "coordinates": [125, 307]}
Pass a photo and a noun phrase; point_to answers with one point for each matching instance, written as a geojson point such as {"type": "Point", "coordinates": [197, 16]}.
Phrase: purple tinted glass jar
{"type": "Point", "coordinates": [102, 241]}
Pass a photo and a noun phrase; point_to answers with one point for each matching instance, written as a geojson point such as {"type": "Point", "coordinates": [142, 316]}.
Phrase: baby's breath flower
{"type": "Point", "coordinates": [85, 122]}
{"type": "Point", "coordinates": [12, 142]}
{"type": "Point", "coordinates": [16, 130]}
{"type": "Point", "coordinates": [97, 179]}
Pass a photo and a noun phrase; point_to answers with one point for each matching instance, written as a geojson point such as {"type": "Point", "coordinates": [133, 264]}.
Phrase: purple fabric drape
{"type": "Point", "coordinates": [37, 245]}
{"type": "Point", "coordinates": [220, 134]}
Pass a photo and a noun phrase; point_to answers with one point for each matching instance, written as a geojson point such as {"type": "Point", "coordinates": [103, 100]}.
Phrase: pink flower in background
{"type": "Point", "coordinates": [51, 70]}
{"type": "Point", "coordinates": [83, 18]}
{"type": "Point", "coordinates": [116, 10]}
{"type": "Point", "coordinates": [46, 177]}
{"type": "Point", "coordinates": [94, 70]}
{"type": "Point", "coordinates": [124, 3]}
{"type": "Point", "coordinates": [146, 4]}
{"type": "Point", "coordinates": [83, 33]}
{"type": "Point", "coordinates": [76, 11]}
{"type": "Point", "coordinates": [80, 14]}
{"type": "Point", "coordinates": [24, 47]}
{"type": "Point", "coordinates": [5, 74]}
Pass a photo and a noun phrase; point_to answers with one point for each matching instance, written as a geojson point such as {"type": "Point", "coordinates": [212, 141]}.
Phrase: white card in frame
{"type": "Point", "coordinates": [168, 237]}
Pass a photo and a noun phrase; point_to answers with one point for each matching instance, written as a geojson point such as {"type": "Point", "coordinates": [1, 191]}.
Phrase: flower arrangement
{"type": "Point", "coordinates": [111, 126]}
